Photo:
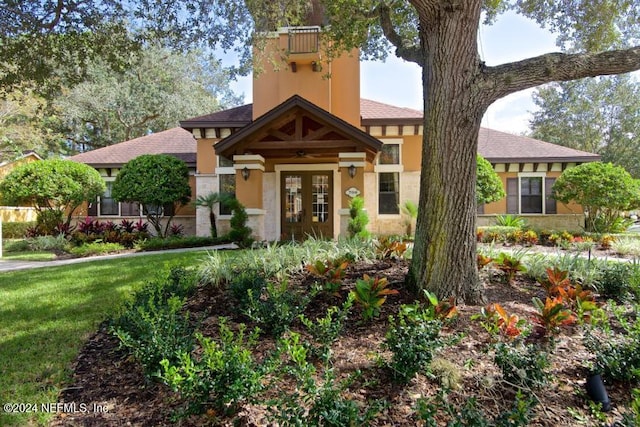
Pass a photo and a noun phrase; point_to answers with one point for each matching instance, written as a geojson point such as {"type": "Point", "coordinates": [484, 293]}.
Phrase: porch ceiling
{"type": "Point", "coordinates": [298, 129]}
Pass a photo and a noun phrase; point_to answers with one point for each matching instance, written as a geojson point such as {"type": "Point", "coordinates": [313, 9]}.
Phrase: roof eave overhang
{"type": "Point", "coordinates": [583, 159]}
{"type": "Point", "coordinates": [392, 122]}
{"type": "Point", "coordinates": [210, 124]}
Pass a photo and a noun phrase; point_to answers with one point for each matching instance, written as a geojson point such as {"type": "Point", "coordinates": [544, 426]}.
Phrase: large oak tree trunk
{"type": "Point", "coordinates": [444, 256]}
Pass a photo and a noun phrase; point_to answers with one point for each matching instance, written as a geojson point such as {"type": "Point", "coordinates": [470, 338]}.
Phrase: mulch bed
{"type": "Point", "coordinates": [105, 377]}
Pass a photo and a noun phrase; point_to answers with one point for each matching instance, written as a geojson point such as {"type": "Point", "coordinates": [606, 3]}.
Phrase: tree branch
{"type": "Point", "coordinates": [408, 52]}
{"type": "Point", "coordinates": [508, 78]}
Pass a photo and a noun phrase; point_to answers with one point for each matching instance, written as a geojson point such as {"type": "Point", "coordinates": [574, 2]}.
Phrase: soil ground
{"type": "Point", "coordinates": [106, 378]}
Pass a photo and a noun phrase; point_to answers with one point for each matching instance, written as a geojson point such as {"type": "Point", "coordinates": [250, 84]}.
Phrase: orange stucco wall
{"type": "Point", "coordinates": [335, 88]}
{"type": "Point", "coordinates": [205, 156]}
{"type": "Point", "coordinates": [412, 152]}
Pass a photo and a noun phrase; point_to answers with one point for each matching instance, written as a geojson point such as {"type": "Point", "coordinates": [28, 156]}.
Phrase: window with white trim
{"type": "Point", "coordinates": [530, 193]}
{"type": "Point", "coordinates": [388, 169]}
{"type": "Point", "coordinates": [106, 205]}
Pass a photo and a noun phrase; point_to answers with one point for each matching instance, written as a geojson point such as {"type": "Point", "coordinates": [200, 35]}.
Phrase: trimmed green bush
{"type": "Point", "coordinates": [16, 230]}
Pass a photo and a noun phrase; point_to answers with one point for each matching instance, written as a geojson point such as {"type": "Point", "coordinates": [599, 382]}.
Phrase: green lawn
{"type": "Point", "coordinates": [48, 313]}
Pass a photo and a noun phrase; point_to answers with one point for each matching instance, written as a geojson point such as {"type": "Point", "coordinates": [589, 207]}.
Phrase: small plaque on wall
{"type": "Point", "coordinates": [352, 192]}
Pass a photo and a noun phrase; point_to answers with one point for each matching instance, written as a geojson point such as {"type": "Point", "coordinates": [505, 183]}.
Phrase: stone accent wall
{"type": "Point", "coordinates": [205, 184]}
{"type": "Point", "coordinates": [569, 222]}
{"type": "Point", "coordinates": [270, 205]}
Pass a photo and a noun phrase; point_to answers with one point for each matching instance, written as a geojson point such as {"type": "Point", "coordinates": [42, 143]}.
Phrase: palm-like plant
{"type": "Point", "coordinates": [209, 201]}
{"type": "Point", "coordinates": [410, 209]}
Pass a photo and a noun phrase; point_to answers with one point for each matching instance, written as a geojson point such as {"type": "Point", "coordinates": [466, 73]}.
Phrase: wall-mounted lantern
{"type": "Point", "coordinates": [245, 173]}
{"type": "Point", "coordinates": [352, 171]}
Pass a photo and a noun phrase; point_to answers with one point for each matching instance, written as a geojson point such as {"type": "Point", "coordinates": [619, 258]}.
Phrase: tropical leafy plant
{"type": "Point", "coordinates": [509, 220]}
{"type": "Point", "coordinates": [510, 265]}
{"type": "Point", "coordinates": [371, 293]}
{"type": "Point", "coordinates": [550, 316]}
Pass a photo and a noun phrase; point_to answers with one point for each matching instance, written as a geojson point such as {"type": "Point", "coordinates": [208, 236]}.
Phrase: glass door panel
{"type": "Point", "coordinates": [293, 199]}
{"type": "Point", "coordinates": [320, 198]}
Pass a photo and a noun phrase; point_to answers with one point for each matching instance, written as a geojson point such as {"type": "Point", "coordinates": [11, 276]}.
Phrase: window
{"type": "Point", "coordinates": [389, 193]}
{"type": "Point", "coordinates": [227, 184]}
{"type": "Point", "coordinates": [390, 154]}
{"type": "Point", "coordinates": [530, 195]}
{"type": "Point", "coordinates": [389, 167]}
{"type": "Point", "coordinates": [108, 205]}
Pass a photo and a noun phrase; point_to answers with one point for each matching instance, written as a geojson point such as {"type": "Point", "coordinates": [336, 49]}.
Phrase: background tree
{"type": "Point", "coordinates": [489, 187]}
{"type": "Point", "coordinates": [158, 182]}
{"type": "Point", "coordinates": [604, 191]}
{"type": "Point", "coordinates": [54, 187]}
{"type": "Point", "coordinates": [27, 123]}
{"type": "Point", "coordinates": [600, 115]}
{"type": "Point", "coordinates": [154, 93]}
{"type": "Point", "coordinates": [441, 37]}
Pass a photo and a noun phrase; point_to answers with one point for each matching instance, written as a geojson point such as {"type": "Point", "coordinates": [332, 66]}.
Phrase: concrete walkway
{"type": "Point", "coordinates": [11, 265]}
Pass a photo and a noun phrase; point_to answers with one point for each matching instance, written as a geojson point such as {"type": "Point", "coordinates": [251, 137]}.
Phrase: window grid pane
{"type": "Point", "coordinates": [390, 154]}
{"type": "Point", "coordinates": [227, 187]}
{"type": "Point", "coordinates": [293, 195]}
{"type": "Point", "coordinates": [389, 196]}
{"type": "Point", "coordinates": [320, 198]}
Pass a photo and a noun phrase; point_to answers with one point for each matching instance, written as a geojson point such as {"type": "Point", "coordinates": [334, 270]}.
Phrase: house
{"type": "Point", "coordinates": [308, 144]}
{"type": "Point", "coordinates": [108, 160]}
{"type": "Point", "coordinates": [18, 213]}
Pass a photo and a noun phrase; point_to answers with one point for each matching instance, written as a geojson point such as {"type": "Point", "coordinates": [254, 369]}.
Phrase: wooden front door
{"type": "Point", "coordinates": [307, 204]}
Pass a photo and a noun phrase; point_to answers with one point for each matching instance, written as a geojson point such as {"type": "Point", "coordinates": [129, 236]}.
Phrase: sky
{"type": "Point", "coordinates": [510, 38]}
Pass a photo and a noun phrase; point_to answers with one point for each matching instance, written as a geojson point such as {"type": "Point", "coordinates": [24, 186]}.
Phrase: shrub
{"type": "Point", "coordinates": [358, 218]}
{"type": "Point", "coordinates": [245, 284]}
{"type": "Point", "coordinates": [617, 358]}
{"type": "Point", "coordinates": [413, 338]}
{"type": "Point", "coordinates": [614, 281]}
{"type": "Point", "coordinates": [326, 330]}
{"type": "Point", "coordinates": [276, 307]}
{"type": "Point", "coordinates": [240, 234]}
{"type": "Point", "coordinates": [154, 332]}
{"type": "Point", "coordinates": [47, 220]}
{"type": "Point", "coordinates": [510, 265]}
{"type": "Point", "coordinates": [312, 402]}
{"type": "Point", "coordinates": [96, 248]}
{"type": "Point", "coordinates": [48, 243]}
{"type": "Point", "coordinates": [522, 365]}
{"type": "Point", "coordinates": [16, 230]}
{"type": "Point", "coordinates": [223, 376]}
{"type": "Point", "coordinates": [431, 411]}
{"type": "Point", "coordinates": [151, 324]}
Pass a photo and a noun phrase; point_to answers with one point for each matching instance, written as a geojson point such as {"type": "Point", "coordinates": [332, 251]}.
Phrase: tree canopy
{"type": "Point", "coordinates": [489, 187]}
{"type": "Point", "coordinates": [154, 93]}
{"type": "Point", "coordinates": [603, 189]}
{"type": "Point", "coordinates": [157, 181]}
{"type": "Point", "coordinates": [54, 185]}
{"type": "Point", "coordinates": [600, 115]}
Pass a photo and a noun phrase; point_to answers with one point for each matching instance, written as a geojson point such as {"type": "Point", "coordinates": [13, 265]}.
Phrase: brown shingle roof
{"type": "Point", "coordinates": [495, 146]}
{"type": "Point", "coordinates": [176, 142]}
{"type": "Point", "coordinates": [501, 147]}
{"type": "Point", "coordinates": [373, 112]}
